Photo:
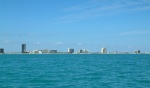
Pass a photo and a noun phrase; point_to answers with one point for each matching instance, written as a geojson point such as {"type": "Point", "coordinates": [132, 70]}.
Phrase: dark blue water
{"type": "Point", "coordinates": [75, 71]}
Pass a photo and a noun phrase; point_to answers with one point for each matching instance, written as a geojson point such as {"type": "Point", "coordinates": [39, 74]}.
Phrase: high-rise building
{"type": "Point", "coordinates": [24, 48]}
{"type": "Point", "coordinates": [104, 51]}
{"type": "Point", "coordinates": [80, 51]}
{"type": "Point", "coordinates": [1, 50]}
{"type": "Point", "coordinates": [70, 50]}
{"type": "Point", "coordinates": [137, 51]}
{"type": "Point", "coordinates": [83, 51]}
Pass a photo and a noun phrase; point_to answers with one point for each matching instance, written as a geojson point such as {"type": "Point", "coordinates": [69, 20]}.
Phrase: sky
{"type": "Point", "coordinates": [118, 25]}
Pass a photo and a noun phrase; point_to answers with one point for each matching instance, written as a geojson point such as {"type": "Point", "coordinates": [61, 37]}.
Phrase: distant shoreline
{"type": "Point", "coordinates": [71, 53]}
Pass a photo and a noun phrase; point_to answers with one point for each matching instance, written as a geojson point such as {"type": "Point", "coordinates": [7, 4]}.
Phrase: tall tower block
{"type": "Point", "coordinates": [23, 48]}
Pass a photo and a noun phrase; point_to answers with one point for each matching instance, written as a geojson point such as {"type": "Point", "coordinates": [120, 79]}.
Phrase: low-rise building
{"type": "Point", "coordinates": [45, 51]}
{"type": "Point", "coordinates": [83, 51]}
{"type": "Point", "coordinates": [53, 51]}
{"type": "Point", "coordinates": [36, 52]}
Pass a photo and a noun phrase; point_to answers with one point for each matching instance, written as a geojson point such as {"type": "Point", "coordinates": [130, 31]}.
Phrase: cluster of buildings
{"type": "Point", "coordinates": [70, 51]}
{"type": "Point", "coordinates": [47, 51]}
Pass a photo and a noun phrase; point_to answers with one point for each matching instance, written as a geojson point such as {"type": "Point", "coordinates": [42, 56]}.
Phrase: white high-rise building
{"type": "Point", "coordinates": [104, 51]}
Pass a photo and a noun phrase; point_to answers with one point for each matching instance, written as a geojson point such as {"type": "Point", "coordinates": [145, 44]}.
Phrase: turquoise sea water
{"type": "Point", "coordinates": [75, 71]}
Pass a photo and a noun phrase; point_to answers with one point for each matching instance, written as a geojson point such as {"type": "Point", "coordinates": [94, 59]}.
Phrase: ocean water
{"type": "Point", "coordinates": [74, 71]}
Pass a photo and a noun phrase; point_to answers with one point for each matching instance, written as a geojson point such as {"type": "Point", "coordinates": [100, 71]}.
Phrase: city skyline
{"type": "Point", "coordinates": [69, 51]}
{"type": "Point", "coordinates": [80, 24]}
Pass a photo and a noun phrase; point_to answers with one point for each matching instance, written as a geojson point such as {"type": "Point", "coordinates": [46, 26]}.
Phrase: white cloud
{"type": "Point", "coordinates": [135, 32]}
{"type": "Point", "coordinates": [97, 8]}
{"type": "Point", "coordinates": [6, 41]}
{"type": "Point", "coordinates": [37, 43]}
{"type": "Point", "coordinates": [142, 8]}
{"type": "Point", "coordinates": [59, 43]}
{"type": "Point", "coordinates": [79, 44]}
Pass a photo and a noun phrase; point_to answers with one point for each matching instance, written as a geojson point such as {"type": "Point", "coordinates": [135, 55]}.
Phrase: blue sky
{"type": "Point", "coordinates": [118, 25]}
